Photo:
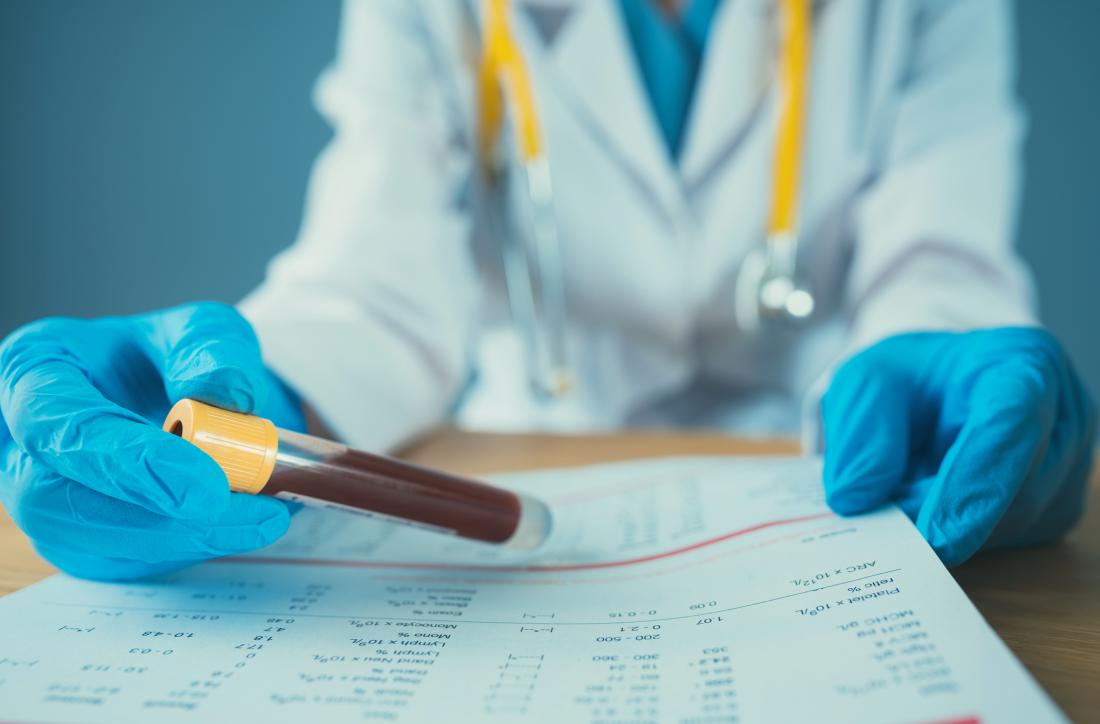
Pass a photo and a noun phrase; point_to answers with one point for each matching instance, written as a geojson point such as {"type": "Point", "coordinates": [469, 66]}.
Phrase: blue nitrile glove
{"type": "Point", "coordinates": [983, 438]}
{"type": "Point", "coordinates": [85, 469]}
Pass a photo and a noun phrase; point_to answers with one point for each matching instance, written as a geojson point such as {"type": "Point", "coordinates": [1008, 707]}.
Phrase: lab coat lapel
{"type": "Point", "coordinates": [592, 66]}
{"type": "Point", "coordinates": [733, 87]}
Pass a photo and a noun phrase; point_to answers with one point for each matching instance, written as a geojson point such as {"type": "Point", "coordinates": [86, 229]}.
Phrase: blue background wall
{"type": "Point", "coordinates": [155, 152]}
{"type": "Point", "coordinates": [152, 152]}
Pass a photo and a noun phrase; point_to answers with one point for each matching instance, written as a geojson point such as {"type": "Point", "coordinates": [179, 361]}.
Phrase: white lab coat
{"type": "Point", "coordinates": [389, 316]}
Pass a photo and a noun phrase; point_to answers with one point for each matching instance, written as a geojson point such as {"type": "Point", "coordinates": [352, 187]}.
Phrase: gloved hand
{"type": "Point", "coordinates": [85, 469]}
{"type": "Point", "coordinates": [983, 438]}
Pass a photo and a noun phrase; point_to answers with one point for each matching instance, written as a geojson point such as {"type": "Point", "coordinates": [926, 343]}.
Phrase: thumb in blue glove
{"type": "Point", "coordinates": [85, 469]}
{"type": "Point", "coordinates": [983, 438]}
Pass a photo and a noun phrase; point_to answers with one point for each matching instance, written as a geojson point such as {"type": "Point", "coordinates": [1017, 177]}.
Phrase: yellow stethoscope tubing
{"type": "Point", "coordinates": [503, 77]}
{"type": "Point", "coordinates": [793, 61]}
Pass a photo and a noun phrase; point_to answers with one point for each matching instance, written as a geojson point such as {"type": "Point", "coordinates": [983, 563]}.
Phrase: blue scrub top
{"type": "Point", "coordinates": [669, 52]}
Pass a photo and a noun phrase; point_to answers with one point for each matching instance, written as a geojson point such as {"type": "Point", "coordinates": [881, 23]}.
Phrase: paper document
{"type": "Point", "coordinates": [684, 589]}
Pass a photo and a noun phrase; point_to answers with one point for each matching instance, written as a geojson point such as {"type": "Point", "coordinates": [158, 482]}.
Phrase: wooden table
{"type": "Point", "coordinates": [1044, 602]}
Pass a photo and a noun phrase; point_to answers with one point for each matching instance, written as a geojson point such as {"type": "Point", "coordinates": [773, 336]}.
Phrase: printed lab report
{"type": "Point", "coordinates": [681, 589]}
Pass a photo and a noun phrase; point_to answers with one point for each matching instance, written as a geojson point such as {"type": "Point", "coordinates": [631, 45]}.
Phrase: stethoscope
{"type": "Point", "coordinates": [768, 289]}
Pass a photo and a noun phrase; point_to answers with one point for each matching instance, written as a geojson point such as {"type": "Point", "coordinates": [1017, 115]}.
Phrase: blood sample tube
{"type": "Point", "coordinates": [259, 458]}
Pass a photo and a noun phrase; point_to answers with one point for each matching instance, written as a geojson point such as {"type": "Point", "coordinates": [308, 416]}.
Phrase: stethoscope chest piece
{"type": "Point", "coordinates": [767, 290]}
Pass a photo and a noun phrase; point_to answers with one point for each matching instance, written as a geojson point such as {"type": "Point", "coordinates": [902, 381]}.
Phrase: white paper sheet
{"type": "Point", "coordinates": [686, 589]}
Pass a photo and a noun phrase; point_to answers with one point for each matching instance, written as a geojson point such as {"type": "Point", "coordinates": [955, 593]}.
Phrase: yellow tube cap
{"type": "Point", "coordinates": [244, 446]}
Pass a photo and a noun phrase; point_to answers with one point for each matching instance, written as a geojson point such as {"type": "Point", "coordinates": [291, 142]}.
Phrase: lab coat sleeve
{"type": "Point", "coordinates": [934, 231]}
{"type": "Point", "coordinates": [368, 316]}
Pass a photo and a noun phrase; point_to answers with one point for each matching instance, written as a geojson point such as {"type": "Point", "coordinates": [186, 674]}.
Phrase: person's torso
{"type": "Point", "coordinates": [651, 245]}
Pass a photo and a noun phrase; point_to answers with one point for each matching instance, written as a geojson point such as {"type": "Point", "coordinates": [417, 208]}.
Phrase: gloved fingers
{"type": "Point", "coordinates": [8, 449]}
{"type": "Point", "coordinates": [912, 495]}
{"type": "Point", "coordinates": [1075, 403]}
{"type": "Point", "coordinates": [64, 423]}
{"type": "Point", "coordinates": [996, 454]}
{"type": "Point", "coordinates": [63, 514]}
{"type": "Point", "coordinates": [866, 416]}
{"type": "Point", "coordinates": [9, 456]}
{"type": "Point", "coordinates": [98, 568]}
{"type": "Point", "coordinates": [1051, 499]}
{"type": "Point", "coordinates": [1061, 455]}
{"type": "Point", "coordinates": [1075, 429]}
{"type": "Point", "coordinates": [208, 352]}
{"type": "Point", "coordinates": [1047, 519]}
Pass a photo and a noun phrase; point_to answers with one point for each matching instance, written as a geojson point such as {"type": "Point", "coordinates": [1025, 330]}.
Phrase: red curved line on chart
{"type": "Point", "coordinates": [334, 563]}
